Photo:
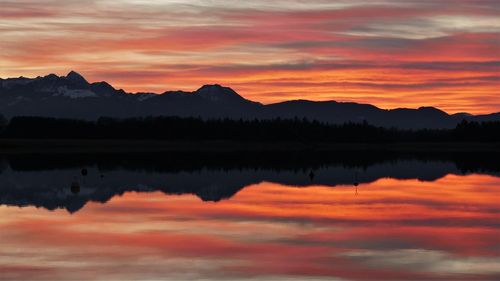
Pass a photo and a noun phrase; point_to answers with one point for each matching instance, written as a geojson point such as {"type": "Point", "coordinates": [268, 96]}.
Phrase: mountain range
{"type": "Point", "coordinates": [72, 96]}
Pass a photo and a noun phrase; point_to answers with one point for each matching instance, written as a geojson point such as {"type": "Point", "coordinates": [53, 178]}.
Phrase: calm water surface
{"type": "Point", "coordinates": [396, 221]}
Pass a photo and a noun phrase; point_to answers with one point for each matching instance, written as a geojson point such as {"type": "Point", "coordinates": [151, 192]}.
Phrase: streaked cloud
{"type": "Point", "coordinates": [186, 43]}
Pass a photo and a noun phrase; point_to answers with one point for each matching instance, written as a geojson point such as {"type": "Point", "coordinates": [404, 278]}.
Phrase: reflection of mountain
{"type": "Point", "coordinates": [67, 188]}
{"type": "Point", "coordinates": [72, 96]}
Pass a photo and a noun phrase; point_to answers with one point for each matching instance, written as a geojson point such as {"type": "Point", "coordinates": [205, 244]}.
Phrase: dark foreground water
{"type": "Point", "coordinates": [127, 218]}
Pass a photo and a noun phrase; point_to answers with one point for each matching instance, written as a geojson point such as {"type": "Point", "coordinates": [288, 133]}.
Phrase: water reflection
{"type": "Point", "coordinates": [399, 219]}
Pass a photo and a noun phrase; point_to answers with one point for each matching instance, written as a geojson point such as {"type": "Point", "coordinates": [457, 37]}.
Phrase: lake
{"type": "Point", "coordinates": [170, 217]}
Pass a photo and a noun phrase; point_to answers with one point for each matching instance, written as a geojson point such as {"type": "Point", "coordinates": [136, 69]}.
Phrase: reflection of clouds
{"type": "Point", "coordinates": [127, 263]}
{"type": "Point", "coordinates": [422, 260]}
{"type": "Point", "coordinates": [92, 264]}
{"type": "Point", "coordinates": [393, 229]}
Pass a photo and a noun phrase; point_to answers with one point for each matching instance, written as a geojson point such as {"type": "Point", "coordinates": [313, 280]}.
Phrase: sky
{"type": "Point", "coordinates": [392, 53]}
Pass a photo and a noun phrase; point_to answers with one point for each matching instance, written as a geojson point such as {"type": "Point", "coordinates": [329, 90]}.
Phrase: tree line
{"type": "Point", "coordinates": [193, 129]}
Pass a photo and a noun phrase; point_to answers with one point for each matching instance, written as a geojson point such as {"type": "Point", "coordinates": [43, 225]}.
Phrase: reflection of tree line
{"type": "Point", "coordinates": [175, 128]}
{"type": "Point", "coordinates": [70, 181]}
{"type": "Point", "coordinates": [296, 161]}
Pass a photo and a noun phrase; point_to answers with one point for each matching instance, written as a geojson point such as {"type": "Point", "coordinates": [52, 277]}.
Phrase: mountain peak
{"type": "Point", "coordinates": [76, 77]}
{"type": "Point", "coordinates": [73, 73]}
{"type": "Point", "coordinates": [216, 92]}
{"type": "Point", "coordinates": [430, 109]}
{"type": "Point", "coordinates": [212, 87]}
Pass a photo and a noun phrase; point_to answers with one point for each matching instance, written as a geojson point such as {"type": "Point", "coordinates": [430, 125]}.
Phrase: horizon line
{"type": "Point", "coordinates": [237, 92]}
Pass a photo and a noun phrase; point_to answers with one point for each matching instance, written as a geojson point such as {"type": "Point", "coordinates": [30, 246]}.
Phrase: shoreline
{"type": "Point", "coordinates": [14, 146]}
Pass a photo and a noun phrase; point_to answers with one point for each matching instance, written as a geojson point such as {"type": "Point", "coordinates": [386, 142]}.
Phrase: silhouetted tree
{"type": "Point", "coordinates": [194, 129]}
{"type": "Point", "coordinates": [3, 122]}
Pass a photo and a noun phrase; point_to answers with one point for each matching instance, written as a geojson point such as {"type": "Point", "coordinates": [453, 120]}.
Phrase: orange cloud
{"type": "Point", "coordinates": [399, 54]}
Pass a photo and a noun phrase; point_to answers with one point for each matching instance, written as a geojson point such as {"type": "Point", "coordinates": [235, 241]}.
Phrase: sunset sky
{"type": "Point", "coordinates": [392, 53]}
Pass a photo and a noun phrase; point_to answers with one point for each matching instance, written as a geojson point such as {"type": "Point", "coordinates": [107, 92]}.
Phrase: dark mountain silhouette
{"type": "Point", "coordinates": [71, 96]}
